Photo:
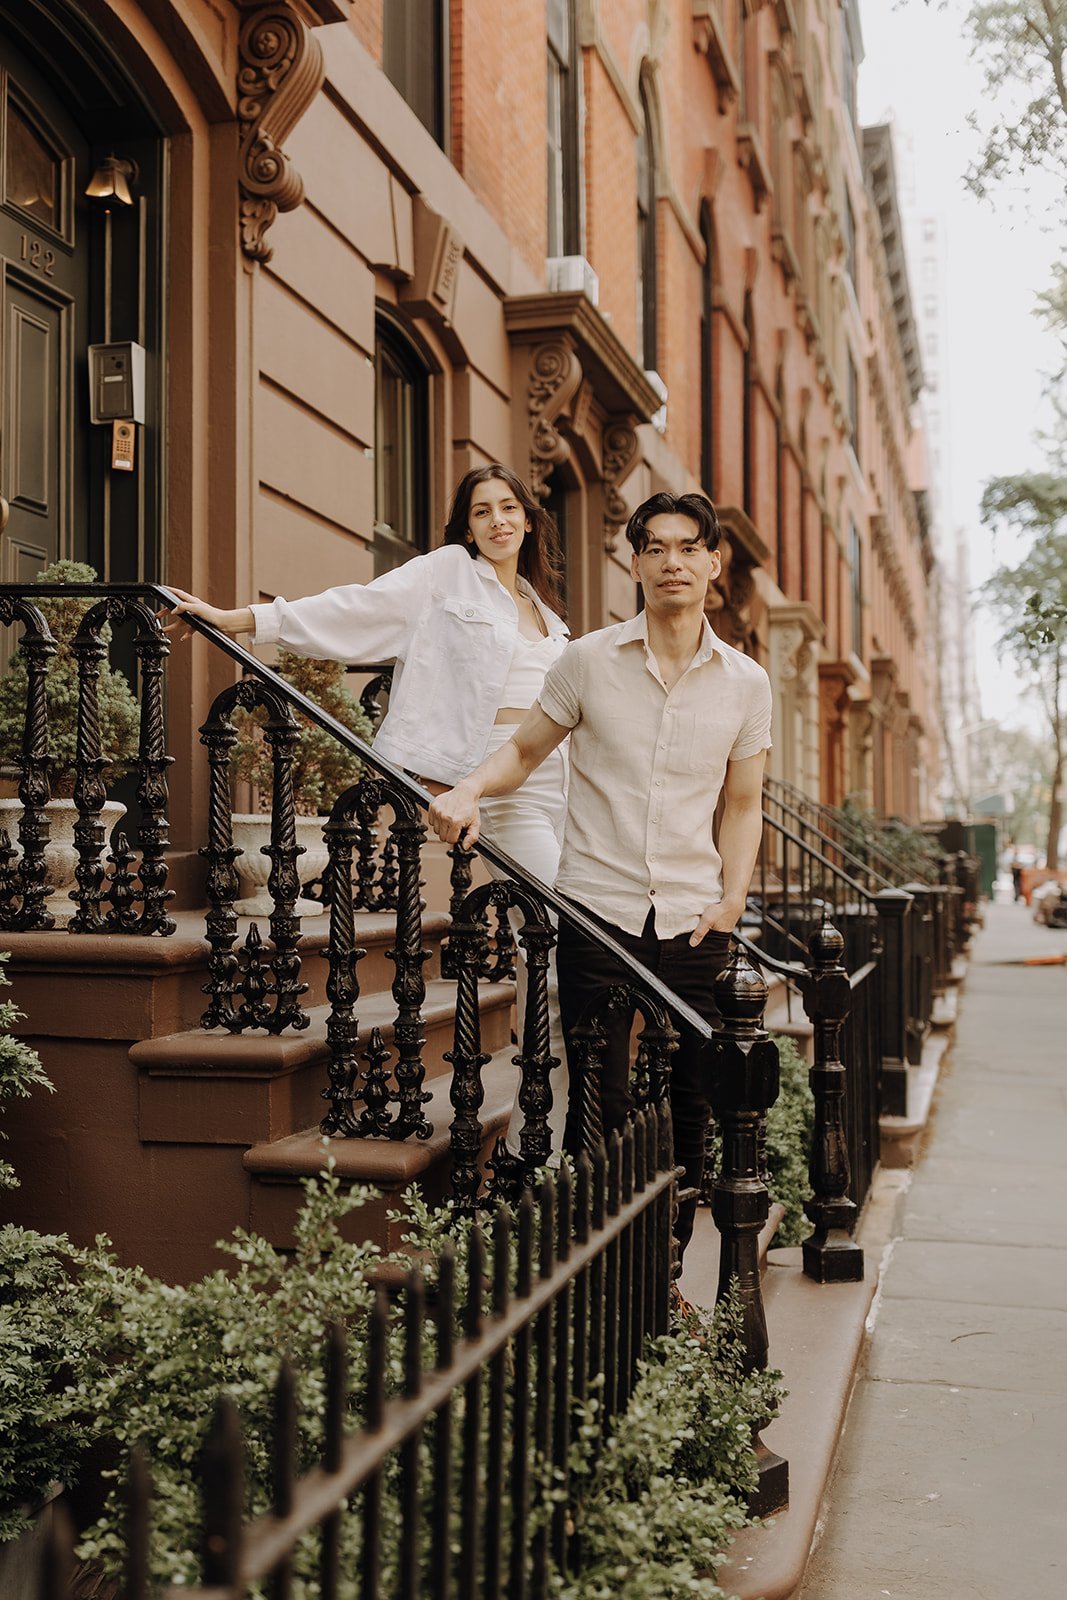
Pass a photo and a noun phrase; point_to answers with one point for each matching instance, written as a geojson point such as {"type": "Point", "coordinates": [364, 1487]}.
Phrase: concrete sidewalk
{"type": "Point", "coordinates": [951, 1481]}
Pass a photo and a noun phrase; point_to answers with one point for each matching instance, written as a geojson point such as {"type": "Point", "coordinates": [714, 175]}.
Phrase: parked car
{"type": "Point", "coordinates": [1049, 905]}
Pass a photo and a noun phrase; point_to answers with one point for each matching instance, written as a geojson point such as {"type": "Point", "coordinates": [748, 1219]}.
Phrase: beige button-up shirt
{"type": "Point", "coordinates": [647, 766]}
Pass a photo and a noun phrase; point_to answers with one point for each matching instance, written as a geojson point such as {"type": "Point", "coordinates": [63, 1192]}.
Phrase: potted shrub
{"type": "Point", "coordinates": [322, 770]}
{"type": "Point", "coordinates": [119, 726]}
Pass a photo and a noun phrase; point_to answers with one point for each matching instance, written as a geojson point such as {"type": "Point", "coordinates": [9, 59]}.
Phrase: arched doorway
{"type": "Point", "coordinates": [75, 270]}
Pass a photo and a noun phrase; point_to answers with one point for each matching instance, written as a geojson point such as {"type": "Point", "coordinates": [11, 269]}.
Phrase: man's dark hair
{"type": "Point", "coordinates": [697, 507]}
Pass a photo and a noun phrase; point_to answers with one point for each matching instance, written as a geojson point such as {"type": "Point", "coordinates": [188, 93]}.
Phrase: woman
{"type": "Point", "coordinates": [473, 627]}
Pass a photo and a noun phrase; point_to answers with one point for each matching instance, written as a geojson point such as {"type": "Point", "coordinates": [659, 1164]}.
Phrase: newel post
{"type": "Point", "coordinates": [895, 924]}
{"type": "Point", "coordinates": [744, 1085]}
{"type": "Point", "coordinates": [831, 1255]}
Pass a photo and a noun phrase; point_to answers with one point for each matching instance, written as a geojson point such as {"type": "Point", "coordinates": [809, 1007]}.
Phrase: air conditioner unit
{"type": "Point", "coordinates": [567, 273]}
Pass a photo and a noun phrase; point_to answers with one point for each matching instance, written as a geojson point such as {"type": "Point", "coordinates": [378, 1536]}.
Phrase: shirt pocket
{"type": "Point", "coordinates": [460, 613]}
{"type": "Point", "coordinates": [707, 746]}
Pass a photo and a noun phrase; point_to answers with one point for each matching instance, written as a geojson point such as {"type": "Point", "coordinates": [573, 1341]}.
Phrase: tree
{"type": "Point", "coordinates": [1022, 47]}
{"type": "Point", "coordinates": [1029, 601]}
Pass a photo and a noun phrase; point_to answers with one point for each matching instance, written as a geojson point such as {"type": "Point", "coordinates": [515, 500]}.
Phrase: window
{"type": "Point", "coordinates": [401, 449]}
{"type": "Point", "coordinates": [850, 240]}
{"type": "Point", "coordinates": [415, 58]}
{"type": "Point", "coordinates": [564, 165]}
{"type": "Point", "coordinates": [646, 236]}
{"type": "Point", "coordinates": [707, 355]}
{"type": "Point", "coordinates": [853, 406]}
{"type": "Point", "coordinates": [855, 556]}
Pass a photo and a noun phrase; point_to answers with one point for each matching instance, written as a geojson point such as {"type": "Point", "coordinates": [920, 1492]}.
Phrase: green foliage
{"type": "Point", "coordinates": [1029, 602]}
{"type": "Point", "coordinates": [91, 1350]}
{"type": "Point", "coordinates": [119, 712]}
{"type": "Point", "coordinates": [45, 1338]}
{"type": "Point", "coordinates": [657, 1506]}
{"type": "Point", "coordinates": [1022, 47]}
{"type": "Point", "coordinates": [20, 1068]}
{"type": "Point", "coordinates": [789, 1128]}
{"type": "Point", "coordinates": [322, 768]}
{"type": "Point", "coordinates": [172, 1350]}
{"type": "Point", "coordinates": [907, 849]}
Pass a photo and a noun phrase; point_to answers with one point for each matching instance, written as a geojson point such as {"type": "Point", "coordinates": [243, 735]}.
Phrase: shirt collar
{"type": "Point", "coordinates": [637, 629]}
{"type": "Point", "coordinates": [554, 623]}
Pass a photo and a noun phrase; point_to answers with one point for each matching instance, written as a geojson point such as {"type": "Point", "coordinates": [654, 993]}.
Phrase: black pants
{"type": "Point", "coordinates": [584, 971]}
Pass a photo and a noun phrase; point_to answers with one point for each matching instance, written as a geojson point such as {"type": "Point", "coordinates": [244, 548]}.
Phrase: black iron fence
{"type": "Point", "coordinates": [456, 1479]}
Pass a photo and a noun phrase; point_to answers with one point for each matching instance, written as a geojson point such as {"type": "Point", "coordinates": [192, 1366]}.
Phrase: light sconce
{"type": "Point", "coordinates": [112, 179]}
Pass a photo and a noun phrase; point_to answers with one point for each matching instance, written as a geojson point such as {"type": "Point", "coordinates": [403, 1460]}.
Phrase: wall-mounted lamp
{"type": "Point", "coordinates": [112, 179]}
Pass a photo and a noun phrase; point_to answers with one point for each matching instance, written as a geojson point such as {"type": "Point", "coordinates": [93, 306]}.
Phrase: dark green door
{"type": "Point", "coordinates": [44, 322]}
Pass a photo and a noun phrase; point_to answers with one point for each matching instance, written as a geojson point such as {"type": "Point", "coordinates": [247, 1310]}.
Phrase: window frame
{"type": "Point", "coordinates": [392, 544]}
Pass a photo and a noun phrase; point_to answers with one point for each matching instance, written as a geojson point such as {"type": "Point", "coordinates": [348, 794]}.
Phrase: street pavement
{"type": "Point", "coordinates": [951, 1480]}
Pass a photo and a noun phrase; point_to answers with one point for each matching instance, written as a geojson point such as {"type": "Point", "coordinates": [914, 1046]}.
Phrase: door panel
{"type": "Point", "coordinates": [44, 313]}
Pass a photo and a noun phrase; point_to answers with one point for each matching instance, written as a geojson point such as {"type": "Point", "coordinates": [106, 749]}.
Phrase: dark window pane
{"type": "Point", "coordinates": [31, 171]}
{"type": "Point", "coordinates": [401, 450]}
{"type": "Point", "coordinates": [413, 55]}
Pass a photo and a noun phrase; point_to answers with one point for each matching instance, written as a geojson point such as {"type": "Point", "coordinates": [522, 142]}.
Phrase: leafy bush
{"type": "Point", "coordinates": [93, 1351]}
{"type": "Point", "coordinates": [789, 1129]}
{"type": "Point", "coordinates": [119, 713]}
{"type": "Point", "coordinates": [658, 1505]}
{"type": "Point", "coordinates": [20, 1066]}
{"type": "Point", "coordinates": [322, 768]}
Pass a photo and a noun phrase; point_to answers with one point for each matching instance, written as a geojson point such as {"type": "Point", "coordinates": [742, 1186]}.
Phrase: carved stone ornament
{"type": "Point", "coordinates": [281, 71]}
{"type": "Point", "coordinates": [620, 456]}
{"type": "Point", "coordinates": [555, 374]}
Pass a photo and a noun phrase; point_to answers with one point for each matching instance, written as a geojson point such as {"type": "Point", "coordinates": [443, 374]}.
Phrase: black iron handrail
{"type": "Point", "coordinates": [308, 708]}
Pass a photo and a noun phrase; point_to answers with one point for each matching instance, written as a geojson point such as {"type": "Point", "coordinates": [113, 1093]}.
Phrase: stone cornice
{"type": "Point", "coordinates": [619, 384]}
{"type": "Point", "coordinates": [742, 534]}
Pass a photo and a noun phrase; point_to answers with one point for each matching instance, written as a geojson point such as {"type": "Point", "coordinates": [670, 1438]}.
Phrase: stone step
{"type": "Point", "coordinates": [277, 1168]}
{"type": "Point", "coordinates": [207, 1086]}
{"type": "Point", "coordinates": [119, 986]}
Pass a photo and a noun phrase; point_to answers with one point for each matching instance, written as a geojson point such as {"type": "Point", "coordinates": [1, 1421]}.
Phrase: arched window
{"type": "Point", "coordinates": [748, 410]}
{"type": "Point", "coordinates": [401, 448]}
{"type": "Point", "coordinates": [646, 235]}
{"type": "Point", "coordinates": [564, 153]}
{"type": "Point", "coordinates": [707, 354]}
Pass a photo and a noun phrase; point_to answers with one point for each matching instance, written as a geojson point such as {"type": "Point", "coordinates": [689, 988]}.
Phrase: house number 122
{"type": "Point", "coordinates": [40, 259]}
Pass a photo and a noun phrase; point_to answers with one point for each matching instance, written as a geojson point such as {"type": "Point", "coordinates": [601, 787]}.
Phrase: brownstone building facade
{"type": "Point", "coordinates": [367, 245]}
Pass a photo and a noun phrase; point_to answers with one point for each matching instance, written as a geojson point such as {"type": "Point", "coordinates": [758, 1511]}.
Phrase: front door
{"type": "Point", "coordinates": [44, 323]}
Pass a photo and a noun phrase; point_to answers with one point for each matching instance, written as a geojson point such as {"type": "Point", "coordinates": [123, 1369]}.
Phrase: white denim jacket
{"type": "Point", "coordinates": [449, 624]}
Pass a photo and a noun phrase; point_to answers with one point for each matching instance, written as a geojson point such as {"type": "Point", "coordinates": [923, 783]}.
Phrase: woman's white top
{"type": "Point", "coordinates": [451, 627]}
{"type": "Point", "coordinates": [531, 661]}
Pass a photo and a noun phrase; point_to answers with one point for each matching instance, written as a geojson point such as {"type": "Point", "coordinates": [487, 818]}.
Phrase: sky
{"type": "Point", "coordinates": [917, 74]}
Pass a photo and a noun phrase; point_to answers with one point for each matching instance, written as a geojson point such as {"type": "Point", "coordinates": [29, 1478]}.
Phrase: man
{"type": "Point", "coordinates": [664, 719]}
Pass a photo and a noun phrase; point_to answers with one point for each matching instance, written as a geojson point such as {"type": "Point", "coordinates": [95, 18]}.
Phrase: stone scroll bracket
{"type": "Point", "coordinates": [280, 71]}
{"type": "Point", "coordinates": [622, 449]}
{"type": "Point", "coordinates": [554, 381]}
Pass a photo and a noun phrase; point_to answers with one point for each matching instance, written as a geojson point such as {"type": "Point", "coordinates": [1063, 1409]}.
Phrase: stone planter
{"type": "Point", "coordinates": [60, 855]}
{"type": "Point", "coordinates": [251, 832]}
{"type": "Point", "coordinates": [21, 1559]}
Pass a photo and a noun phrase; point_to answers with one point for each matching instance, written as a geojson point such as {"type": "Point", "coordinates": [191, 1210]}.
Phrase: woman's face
{"type": "Point", "coordinates": [497, 522]}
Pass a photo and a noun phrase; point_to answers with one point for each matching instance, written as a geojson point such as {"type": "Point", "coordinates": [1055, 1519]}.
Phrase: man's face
{"type": "Point", "coordinates": [676, 566]}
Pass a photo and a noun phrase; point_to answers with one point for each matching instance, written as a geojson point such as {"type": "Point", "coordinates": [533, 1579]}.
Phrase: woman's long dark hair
{"type": "Point", "coordinates": [540, 556]}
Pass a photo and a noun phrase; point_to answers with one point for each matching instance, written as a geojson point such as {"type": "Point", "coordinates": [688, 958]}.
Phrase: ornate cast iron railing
{"type": "Point", "coordinates": [254, 982]}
